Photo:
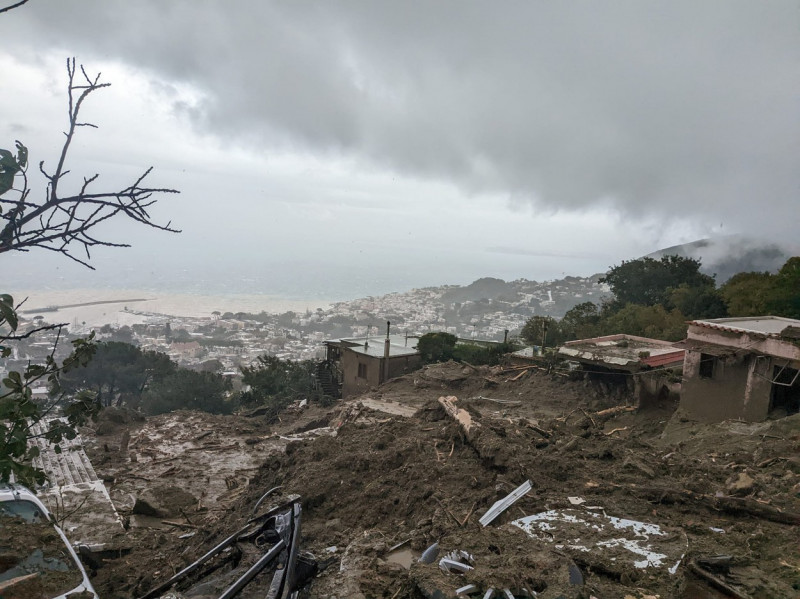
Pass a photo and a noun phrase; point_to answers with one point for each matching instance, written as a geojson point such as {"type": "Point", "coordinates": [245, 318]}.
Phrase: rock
{"type": "Point", "coordinates": [741, 484]}
{"type": "Point", "coordinates": [144, 507]}
{"type": "Point", "coordinates": [164, 501]}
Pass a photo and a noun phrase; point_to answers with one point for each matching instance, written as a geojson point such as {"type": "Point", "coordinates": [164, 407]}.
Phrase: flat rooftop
{"type": "Point", "coordinates": [770, 326]}
{"type": "Point", "coordinates": [624, 351]}
{"type": "Point", "coordinates": [399, 345]}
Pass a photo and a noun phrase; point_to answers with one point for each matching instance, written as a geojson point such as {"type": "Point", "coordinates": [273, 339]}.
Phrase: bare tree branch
{"type": "Point", "coordinates": [66, 224]}
{"type": "Point", "coordinates": [18, 4]}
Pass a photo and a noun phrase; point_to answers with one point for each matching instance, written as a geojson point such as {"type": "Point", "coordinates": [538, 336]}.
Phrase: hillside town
{"type": "Point", "coordinates": [488, 309]}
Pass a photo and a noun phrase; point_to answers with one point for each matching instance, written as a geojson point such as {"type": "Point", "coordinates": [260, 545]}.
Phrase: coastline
{"type": "Point", "coordinates": [107, 306]}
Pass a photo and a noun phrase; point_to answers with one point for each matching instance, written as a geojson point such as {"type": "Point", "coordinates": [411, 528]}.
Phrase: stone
{"type": "Point", "coordinates": [741, 484]}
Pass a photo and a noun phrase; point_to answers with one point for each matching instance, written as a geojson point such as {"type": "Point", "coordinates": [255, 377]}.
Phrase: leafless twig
{"type": "Point", "coordinates": [64, 223]}
{"type": "Point", "coordinates": [18, 4]}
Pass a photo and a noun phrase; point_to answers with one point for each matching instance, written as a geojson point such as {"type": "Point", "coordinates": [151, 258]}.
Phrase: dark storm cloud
{"type": "Point", "coordinates": [666, 107]}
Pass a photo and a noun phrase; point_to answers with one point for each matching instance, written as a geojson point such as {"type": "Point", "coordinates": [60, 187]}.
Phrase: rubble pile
{"type": "Point", "coordinates": [516, 483]}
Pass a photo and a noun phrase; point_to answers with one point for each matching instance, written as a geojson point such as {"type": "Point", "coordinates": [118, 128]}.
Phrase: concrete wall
{"type": "Point", "coordinates": [655, 389]}
{"type": "Point", "coordinates": [400, 365]}
{"type": "Point", "coordinates": [352, 384]}
{"type": "Point", "coordinates": [734, 390]}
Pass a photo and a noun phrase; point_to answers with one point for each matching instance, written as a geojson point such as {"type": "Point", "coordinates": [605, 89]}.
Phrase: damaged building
{"type": "Point", "coordinates": [641, 365]}
{"type": "Point", "coordinates": [354, 365]}
{"type": "Point", "coordinates": [747, 368]}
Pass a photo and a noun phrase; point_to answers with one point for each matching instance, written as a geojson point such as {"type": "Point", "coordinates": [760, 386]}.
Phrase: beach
{"type": "Point", "coordinates": [115, 301]}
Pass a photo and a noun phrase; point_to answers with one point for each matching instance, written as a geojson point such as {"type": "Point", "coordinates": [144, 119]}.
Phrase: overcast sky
{"type": "Point", "coordinates": [385, 145]}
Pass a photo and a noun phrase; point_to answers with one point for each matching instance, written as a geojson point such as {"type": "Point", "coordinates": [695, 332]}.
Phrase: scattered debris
{"type": "Point", "coordinates": [375, 494]}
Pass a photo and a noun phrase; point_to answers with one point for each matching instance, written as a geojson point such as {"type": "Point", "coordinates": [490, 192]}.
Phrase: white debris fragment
{"type": "Point", "coordinates": [502, 505]}
{"type": "Point", "coordinates": [647, 545]}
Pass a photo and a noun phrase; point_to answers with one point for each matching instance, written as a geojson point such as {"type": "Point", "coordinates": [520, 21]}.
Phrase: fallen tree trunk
{"type": "Point", "coordinates": [461, 416]}
{"type": "Point", "coordinates": [715, 582]}
{"type": "Point", "coordinates": [490, 447]}
{"type": "Point", "coordinates": [724, 503]}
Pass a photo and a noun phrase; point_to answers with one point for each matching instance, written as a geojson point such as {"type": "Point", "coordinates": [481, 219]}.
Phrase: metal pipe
{"type": "Point", "coordinates": [196, 564]}
{"type": "Point", "coordinates": [253, 571]}
{"type": "Point", "coordinates": [222, 545]}
{"type": "Point", "coordinates": [293, 549]}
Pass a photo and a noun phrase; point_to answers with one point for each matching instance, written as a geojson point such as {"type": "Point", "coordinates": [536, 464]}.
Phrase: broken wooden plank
{"type": "Point", "coordinates": [504, 402]}
{"type": "Point", "coordinates": [519, 376]}
{"type": "Point", "coordinates": [615, 410]}
{"type": "Point", "coordinates": [461, 416]}
{"type": "Point", "coordinates": [616, 430]}
{"type": "Point", "coordinates": [178, 524]}
{"type": "Point", "coordinates": [8, 584]}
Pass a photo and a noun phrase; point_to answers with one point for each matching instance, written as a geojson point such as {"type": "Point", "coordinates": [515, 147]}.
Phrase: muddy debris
{"type": "Point", "coordinates": [381, 487]}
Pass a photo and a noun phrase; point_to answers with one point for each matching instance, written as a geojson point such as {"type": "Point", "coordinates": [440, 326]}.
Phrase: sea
{"type": "Point", "coordinates": [131, 306]}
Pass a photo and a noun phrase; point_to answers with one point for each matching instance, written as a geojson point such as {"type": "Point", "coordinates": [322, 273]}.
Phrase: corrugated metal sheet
{"type": "Point", "coordinates": [764, 326]}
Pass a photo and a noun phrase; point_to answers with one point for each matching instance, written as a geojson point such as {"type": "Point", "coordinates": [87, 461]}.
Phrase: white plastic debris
{"type": "Point", "coordinates": [466, 590]}
{"type": "Point", "coordinates": [449, 565]}
{"type": "Point", "coordinates": [429, 555]}
{"type": "Point", "coordinates": [502, 505]}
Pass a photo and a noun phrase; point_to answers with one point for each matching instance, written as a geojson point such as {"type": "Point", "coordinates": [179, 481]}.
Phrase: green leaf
{"type": "Point", "coordinates": [6, 180]}
{"type": "Point", "coordinates": [7, 312]}
{"type": "Point", "coordinates": [7, 159]}
{"type": "Point", "coordinates": [22, 154]}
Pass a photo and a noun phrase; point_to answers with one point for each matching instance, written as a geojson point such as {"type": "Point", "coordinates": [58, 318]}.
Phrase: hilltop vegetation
{"type": "Point", "coordinates": [655, 298]}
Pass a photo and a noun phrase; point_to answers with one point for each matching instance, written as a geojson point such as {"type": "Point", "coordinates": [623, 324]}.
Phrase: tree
{"type": "Point", "coordinates": [119, 373]}
{"type": "Point", "coordinates": [648, 282]}
{"type": "Point", "coordinates": [275, 383]}
{"type": "Point", "coordinates": [646, 321]}
{"type": "Point", "coordinates": [748, 293]}
{"type": "Point", "coordinates": [784, 298]}
{"type": "Point", "coordinates": [436, 347]}
{"type": "Point", "coordinates": [65, 223]}
{"type": "Point", "coordinates": [544, 331]}
{"type": "Point", "coordinates": [581, 322]}
{"type": "Point", "coordinates": [698, 302]}
{"type": "Point", "coordinates": [189, 390]}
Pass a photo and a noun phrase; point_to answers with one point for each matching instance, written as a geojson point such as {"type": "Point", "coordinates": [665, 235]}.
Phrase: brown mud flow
{"type": "Point", "coordinates": [624, 503]}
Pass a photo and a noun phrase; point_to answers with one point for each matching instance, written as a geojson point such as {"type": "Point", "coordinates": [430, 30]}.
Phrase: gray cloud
{"type": "Point", "coordinates": [678, 108]}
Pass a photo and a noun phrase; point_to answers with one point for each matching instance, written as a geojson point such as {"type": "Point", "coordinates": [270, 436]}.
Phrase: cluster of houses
{"type": "Point", "coordinates": [726, 368]}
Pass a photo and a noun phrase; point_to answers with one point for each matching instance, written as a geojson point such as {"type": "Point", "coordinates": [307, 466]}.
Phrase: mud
{"type": "Point", "coordinates": [34, 562]}
{"type": "Point", "coordinates": [378, 478]}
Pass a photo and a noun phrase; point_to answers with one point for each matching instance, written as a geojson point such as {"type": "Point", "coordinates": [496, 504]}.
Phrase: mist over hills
{"type": "Point", "coordinates": [722, 257]}
{"type": "Point", "coordinates": [725, 256]}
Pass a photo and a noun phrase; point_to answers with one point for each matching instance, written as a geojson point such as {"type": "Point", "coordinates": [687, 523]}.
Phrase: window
{"type": "Point", "coordinates": [785, 393]}
{"type": "Point", "coordinates": [362, 370]}
{"type": "Point", "coordinates": [706, 366]}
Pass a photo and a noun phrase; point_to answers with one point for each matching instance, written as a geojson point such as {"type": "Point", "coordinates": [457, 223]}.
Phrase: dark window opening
{"type": "Point", "coordinates": [362, 370]}
{"type": "Point", "coordinates": [706, 366]}
{"type": "Point", "coordinates": [785, 395]}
